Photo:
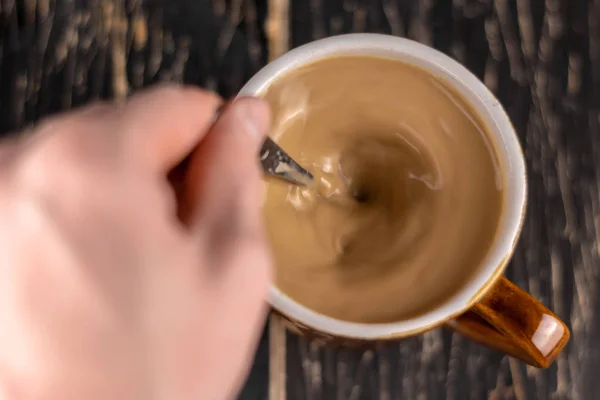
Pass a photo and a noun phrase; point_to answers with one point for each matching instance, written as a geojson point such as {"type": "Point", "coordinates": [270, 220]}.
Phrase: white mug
{"type": "Point", "coordinates": [514, 322]}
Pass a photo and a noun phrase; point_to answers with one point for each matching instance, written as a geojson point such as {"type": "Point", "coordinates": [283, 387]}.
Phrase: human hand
{"type": "Point", "coordinates": [104, 292]}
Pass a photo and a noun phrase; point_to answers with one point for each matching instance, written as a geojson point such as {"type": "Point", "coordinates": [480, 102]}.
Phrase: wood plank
{"type": "Point", "coordinates": [277, 33]}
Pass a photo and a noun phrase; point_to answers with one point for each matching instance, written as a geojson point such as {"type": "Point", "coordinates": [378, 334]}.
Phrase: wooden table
{"type": "Point", "coordinates": [541, 58]}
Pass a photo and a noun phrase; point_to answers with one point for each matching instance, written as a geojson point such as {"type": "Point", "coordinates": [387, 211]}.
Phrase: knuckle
{"type": "Point", "coordinates": [67, 150]}
{"type": "Point", "coordinates": [98, 109]}
{"type": "Point", "coordinates": [171, 93]}
{"type": "Point", "coordinates": [54, 164]}
{"type": "Point", "coordinates": [167, 93]}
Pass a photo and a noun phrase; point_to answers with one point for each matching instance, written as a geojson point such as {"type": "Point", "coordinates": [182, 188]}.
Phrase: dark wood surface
{"type": "Point", "coordinates": [541, 58]}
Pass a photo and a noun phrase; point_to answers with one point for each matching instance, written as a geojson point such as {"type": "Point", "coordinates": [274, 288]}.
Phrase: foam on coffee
{"type": "Point", "coordinates": [408, 192]}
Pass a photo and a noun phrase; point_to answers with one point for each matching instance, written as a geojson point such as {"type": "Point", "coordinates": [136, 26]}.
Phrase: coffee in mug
{"type": "Point", "coordinates": [407, 195]}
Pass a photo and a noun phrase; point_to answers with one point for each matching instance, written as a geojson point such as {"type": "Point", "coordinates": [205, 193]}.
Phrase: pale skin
{"type": "Point", "coordinates": [111, 285]}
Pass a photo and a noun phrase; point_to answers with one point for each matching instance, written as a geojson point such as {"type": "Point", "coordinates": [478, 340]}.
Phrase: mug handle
{"type": "Point", "coordinates": [510, 320]}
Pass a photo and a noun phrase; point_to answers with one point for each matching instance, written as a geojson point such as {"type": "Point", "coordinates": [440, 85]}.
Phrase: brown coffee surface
{"type": "Point", "coordinates": [407, 197]}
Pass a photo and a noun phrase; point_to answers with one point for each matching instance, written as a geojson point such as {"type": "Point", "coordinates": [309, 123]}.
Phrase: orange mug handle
{"type": "Point", "coordinates": [508, 319]}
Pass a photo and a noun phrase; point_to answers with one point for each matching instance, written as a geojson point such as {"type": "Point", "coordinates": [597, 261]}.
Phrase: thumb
{"type": "Point", "coordinates": [223, 185]}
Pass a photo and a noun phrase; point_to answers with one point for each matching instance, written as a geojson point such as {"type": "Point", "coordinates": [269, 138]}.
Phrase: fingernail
{"type": "Point", "coordinates": [255, 115]}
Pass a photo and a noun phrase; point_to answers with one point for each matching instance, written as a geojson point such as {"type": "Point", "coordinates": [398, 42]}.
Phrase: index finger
{"type": "Point", "coordinates": [161, 126]}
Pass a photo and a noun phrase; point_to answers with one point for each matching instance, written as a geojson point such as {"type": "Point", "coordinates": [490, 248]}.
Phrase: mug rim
{"type": "Point", "coordinates": [500, 131]}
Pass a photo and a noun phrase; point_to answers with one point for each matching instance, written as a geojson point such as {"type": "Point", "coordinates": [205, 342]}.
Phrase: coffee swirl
{"type": "Point", "coordinates": [407, 195]}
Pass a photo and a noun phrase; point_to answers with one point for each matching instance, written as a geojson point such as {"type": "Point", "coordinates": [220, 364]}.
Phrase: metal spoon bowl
{"type": "Point", "coordinates": [276, 162]}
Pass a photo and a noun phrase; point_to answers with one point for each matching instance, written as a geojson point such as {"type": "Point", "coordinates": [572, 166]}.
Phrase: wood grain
{"type": "Point", "coordinates": [277, 33]}
{"type": "Point", "coordinates": [541, 58]}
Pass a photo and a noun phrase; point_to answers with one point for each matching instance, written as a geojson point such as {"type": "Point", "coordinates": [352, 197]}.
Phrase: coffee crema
{"type": "Point", "coordinates": [408, 192]}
